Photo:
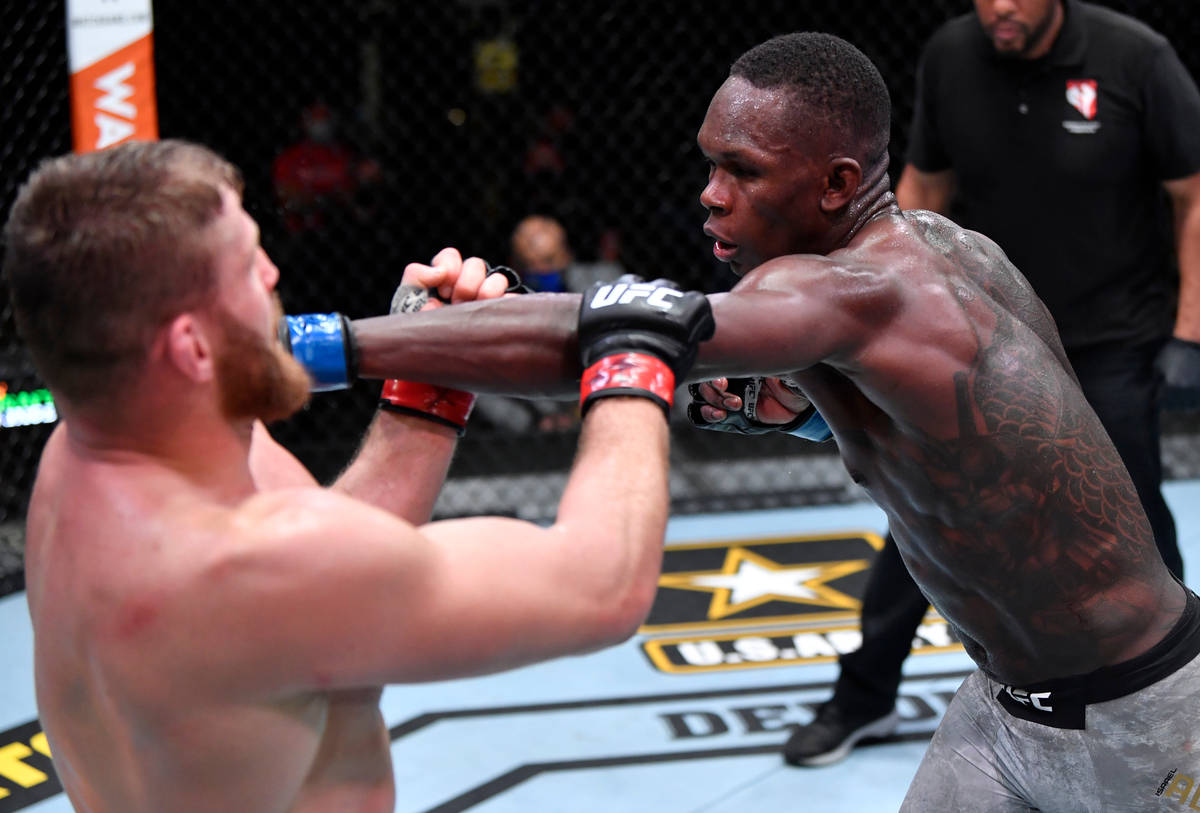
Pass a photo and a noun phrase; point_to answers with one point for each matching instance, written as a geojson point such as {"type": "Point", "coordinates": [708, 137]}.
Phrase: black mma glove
{"type": "Point", "coordinates": [807, 424]}
{"type": "Point", "coordinates": [1179, 364]}
{"type": "Point", "coordinates": [638, 338]}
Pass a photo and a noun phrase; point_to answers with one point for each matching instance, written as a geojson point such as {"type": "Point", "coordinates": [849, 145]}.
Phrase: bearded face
{"type": "Point", "coordinates": [256, 377]}
{"type": "Point", "coordinates": [1020, 30]}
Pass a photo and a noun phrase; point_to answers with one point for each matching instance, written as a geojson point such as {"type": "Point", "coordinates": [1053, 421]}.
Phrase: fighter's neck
{"type": "Point", "coordinates": [210, 454]}
{"type": "Point", "coordinates": [876, 200]}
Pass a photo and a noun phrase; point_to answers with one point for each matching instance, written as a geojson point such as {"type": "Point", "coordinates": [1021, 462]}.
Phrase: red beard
{"type": "Point", "coordinates": [256, 377]}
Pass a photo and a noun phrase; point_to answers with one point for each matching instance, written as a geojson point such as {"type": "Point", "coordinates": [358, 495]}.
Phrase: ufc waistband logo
{"type": "Point", "coordinates": [622, 293]}
{"type": "Point", "coordinates": [1034, 700]}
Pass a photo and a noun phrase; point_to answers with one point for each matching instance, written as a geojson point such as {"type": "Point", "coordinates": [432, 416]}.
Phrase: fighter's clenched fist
{"type": "Point", "coordinates": [638, 338]}
{"type": "Point", "coordinates": [755, 406]}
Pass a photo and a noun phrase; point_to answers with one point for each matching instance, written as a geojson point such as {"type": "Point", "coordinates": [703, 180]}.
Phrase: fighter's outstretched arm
{"type": "Point", "coordinates": [521, 345]}
{"type": "Point", "coordinates": [785, 316]}
{"type": "Point", "coordinates": [789, 314]}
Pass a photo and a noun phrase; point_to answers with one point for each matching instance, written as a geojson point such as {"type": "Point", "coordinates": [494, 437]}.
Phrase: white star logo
{"type": "Point", "coordinates": [747, 579]}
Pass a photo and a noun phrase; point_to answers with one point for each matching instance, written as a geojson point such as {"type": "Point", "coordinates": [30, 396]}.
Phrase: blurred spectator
{"type": "Point", "coordinates": [320, 178]}
{"type": "Point", "coordinates": [548, 170]}
{"type": "Point", "coordinates": [545, 155]}
{"type": "Point", "coordinates": [541, 253]}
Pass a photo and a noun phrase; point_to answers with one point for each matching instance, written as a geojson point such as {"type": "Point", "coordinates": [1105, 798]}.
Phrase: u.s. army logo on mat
{"type": "Point", "coordinates": [773, 601]}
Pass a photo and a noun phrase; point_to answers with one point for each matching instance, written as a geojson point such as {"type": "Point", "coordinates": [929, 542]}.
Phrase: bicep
{"type": "Point", "coordinates": [322, 592]}
{"type": "Point", "coordinates": [1185, 203]}
{"type": "Point", "coordinates": [792, 314]}
{"type": "Point", "coordinates": [1184, 194]}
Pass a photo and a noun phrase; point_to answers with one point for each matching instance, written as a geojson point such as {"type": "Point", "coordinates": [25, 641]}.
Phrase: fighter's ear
{"type": "Point", "coordinates": [188, 347]}
{"type": "Point", "coordinates": [842, 180]}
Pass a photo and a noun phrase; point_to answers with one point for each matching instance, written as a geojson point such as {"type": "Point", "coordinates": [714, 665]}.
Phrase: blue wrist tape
{"type": "Point", "coordinates": [814, 429]}
{"type": "Point", "coordinates": [322, 343]}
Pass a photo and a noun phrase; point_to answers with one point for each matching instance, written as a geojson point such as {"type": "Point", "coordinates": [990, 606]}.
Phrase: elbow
{"type": "Point", "coordinates": [608, 577]}
{"type": "Point", "coordinates": [618, 616]}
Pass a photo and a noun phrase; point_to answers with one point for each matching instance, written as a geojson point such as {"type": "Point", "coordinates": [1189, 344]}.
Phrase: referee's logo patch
{"type": "Point", "coordinates": [1082, 95]}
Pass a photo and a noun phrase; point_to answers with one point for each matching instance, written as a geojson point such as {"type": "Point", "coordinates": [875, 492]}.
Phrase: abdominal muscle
{"type": "Point", "coordinates": [1027, 620]}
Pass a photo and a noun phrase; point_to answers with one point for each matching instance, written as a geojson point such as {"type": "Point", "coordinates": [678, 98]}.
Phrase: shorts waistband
{"type": "Point", "coordinates": [1061, 702]}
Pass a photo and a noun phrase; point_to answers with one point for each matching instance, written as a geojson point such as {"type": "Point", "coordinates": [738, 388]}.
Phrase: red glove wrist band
{"type": "Point", "coordinates": [442, 405]}
{"type": "Point", "coordinates": [629, 374]}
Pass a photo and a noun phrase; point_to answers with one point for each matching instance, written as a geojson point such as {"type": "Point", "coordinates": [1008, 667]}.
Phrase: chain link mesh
{"type": "Point", "coordinates": [443, 122]}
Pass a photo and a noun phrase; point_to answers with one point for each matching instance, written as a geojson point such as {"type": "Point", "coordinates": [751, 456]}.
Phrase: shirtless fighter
{"type": "Point", "coordinates": [212, 628]}
{"type": "Point", "coordinates": [948, 394]}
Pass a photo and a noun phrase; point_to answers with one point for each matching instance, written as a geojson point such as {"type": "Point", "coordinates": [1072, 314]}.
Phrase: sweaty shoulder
{"type": "Point", "coordinates": [943, 236]}
{"type": "Point", "coordinates": [311, 523]}
{"type": "Point", "coordinates": [974, 254]}
{"type": "Point", "coordinates": [847, 276]}
{"type": "Point", "coordinates": [985, 264]}
{"type": "Point", "coordinates": [297, 511]}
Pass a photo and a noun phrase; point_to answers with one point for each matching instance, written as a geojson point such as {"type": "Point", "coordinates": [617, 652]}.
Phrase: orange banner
{"type": "Point", "coordinates": [112, 100]}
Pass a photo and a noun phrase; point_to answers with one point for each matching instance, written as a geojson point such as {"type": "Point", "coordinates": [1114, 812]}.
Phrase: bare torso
{"type": "Point", "coordinates": [1008, 503]}
{"type": "Point", "coordinates": [138, 716]}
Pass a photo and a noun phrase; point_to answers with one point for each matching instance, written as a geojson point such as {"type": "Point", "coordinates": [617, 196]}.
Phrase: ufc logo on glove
{"type": "Point", "coordinates": [622, 293]}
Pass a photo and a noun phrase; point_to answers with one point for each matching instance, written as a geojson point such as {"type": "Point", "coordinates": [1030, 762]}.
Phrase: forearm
{"type": "Point", "coordinates": [401, 465]}
{"type": "Point", "coordinates": [932, 191]}
{"type": "Point", "coordinates": [634, 351]}
{"type": "Point", "coordinates": [614, 508]}
{"type": "Point", "coordinates": [1187, 228]}
{"type": "Point", "coordinates": [520, 345]}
